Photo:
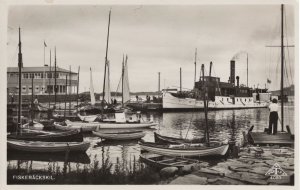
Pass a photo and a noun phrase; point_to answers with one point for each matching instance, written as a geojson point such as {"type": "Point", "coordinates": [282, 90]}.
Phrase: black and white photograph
{"type": "Point", "coordinates": [118, 93]}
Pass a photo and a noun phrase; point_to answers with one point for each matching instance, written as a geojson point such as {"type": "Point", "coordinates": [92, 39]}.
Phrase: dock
{"type": "Point", "coordinates": [260, 138]}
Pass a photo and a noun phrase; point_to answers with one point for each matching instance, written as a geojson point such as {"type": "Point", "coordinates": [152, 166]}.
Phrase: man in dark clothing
{"type": "Point", "coordinates": [273, 119]}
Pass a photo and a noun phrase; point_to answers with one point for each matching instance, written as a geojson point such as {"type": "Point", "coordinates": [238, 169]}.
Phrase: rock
{"type": "Point", "coordinates": [221, 169]}
{"type": "Point", "coordinates": [260, 165]}
{"type": "Point", "coordinates": [189, 180]}
{"type": "Point", "coordinates": [259, 170]}
{"type": "Point", "coordinates": [284, 180]}
{"type": "Point", "coordinates": [212, 180]}
{"type": "Point", "coordinates": [239, 169]}
{"type": "Point", "coordinates": [228, 181]}
{"type": "Point", "coordinates": [247, 178]}
{"type": "Point", "coordinates": [168, 172]}
{"type": "Point", "coordinates": [252, 175]}
{"type": "Point", "coordinates": [187, 169]}
{"type": "Point", "coordinates": [211, 171]}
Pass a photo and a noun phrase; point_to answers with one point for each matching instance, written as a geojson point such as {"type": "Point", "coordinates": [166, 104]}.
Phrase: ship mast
{"type": "Point", "coordinates": [107, 40]}
{"type": "Point", "coordinates": [20, 65]}
{"type": "Point", "coordinates": [282, 66]}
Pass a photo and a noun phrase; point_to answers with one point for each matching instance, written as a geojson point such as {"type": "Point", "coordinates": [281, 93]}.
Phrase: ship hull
{"type": "Point", "coordinates": [172, 103]}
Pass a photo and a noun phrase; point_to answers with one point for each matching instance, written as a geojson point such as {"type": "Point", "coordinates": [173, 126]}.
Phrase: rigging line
{"type": "Point", "coordinates": [287, 43]}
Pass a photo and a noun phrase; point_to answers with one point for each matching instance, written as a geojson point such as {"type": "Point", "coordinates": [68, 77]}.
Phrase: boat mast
{"type": "Point", "coordinates": [122, 80]}
{"type": "Point", "coordinates": [55, 90]}
{"type": "Point", "coordinates": [195, 66]}
{"type": "Point", "coordinates": [180, 81]}
{"type": "Point", "coordinates": [20, 65]}
{"type": "Point", "coordinates": [107, 40]}
{"type": "Point", "coordinates": [66, 94]}
{"type": "Point", "coordinates": [49, 80]}
{"type": "Point", "coordinates": [247, 69]}
{"type": "Point", "coordinates": [158, 82]}
{"type": "Point", "coordinates": [77, 93]}
{"type": "Point", "coordinates": [205, 107]}
{"type": "Point", "coordinates": [282, 66]}
{"type": "Point", "coordinates": [70, 92]}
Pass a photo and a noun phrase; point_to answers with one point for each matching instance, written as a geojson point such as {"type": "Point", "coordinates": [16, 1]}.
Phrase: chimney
{"type": "Point", "coordinates": [237, 81]}
{"type": "Point", "coordinates": [232, 72]}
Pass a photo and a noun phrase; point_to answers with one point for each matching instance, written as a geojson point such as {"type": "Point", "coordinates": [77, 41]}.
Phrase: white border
{"type": "Point", "coordinates": [4, 5]}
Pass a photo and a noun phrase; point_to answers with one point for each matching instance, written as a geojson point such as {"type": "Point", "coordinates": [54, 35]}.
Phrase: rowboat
{"type": "Point", "coordinates": [188, 150]}
{"type": "Point", "coordinates": [160, 161]}
{"type": "Point", "coordinates": [33, 125]}
{"type": "Point", "coordinates": [61, 136]}
{"type": "Point", "coordinates": [110, 124]}
{"type": "Point", "coordinates": [40, 146]}
{"type": "Point", "coordinates": [69, 125]}
{"type": "Point", "coordinates": [87, 118]}
{"type": "Point", "coordinates": [172, 140]}
{"type": "Point", "coordinates": [120, 135]}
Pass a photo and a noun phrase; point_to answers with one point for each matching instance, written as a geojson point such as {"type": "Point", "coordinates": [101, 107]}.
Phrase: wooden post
{"type": "Point", "coordinates": [205, 107]}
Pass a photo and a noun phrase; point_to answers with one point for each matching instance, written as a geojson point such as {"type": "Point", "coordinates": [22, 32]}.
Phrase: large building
{"type": "Point", "coordinates": [43, 80]}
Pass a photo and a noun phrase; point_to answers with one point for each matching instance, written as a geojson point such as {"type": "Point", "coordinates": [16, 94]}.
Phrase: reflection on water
{"type": "Point", "coordinates": [227, 124]}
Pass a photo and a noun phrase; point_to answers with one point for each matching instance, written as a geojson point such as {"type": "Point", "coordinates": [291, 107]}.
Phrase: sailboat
{"type": "Point", "coordinates": [281, 138]}
{"type": "Point", "coordinates": [32, 130]}
{"type": "Point", "coordinates": [208, 148]}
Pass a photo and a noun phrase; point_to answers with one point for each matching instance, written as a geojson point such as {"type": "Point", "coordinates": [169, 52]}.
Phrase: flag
{"type": "Point", "coordinates": [268, 81]}
{"type": "Point", "coordinates": [45, 44]}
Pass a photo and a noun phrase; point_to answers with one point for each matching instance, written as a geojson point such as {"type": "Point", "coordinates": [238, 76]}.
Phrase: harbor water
{"type": "Point", "coordinates": [226, 124]}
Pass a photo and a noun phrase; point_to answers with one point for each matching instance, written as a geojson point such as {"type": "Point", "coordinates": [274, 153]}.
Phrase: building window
{"type": "Point", "coordinates": [23, 88]}
{"type": "Point", "coordinates": [36, 88]}
{"type": "Point", "coordinates": [237, 99]}
{"type": "Point", "coordinates": [227, 99]}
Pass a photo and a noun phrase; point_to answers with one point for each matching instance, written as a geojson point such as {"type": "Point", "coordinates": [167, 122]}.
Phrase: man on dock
{"type": "Point", "coordinates": [273, 117]}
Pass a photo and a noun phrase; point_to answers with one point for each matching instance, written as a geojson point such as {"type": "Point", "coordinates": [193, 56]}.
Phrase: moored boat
{"type": "Point", "coordinates": [55, 136]}
{"type": "Point", "coordinates": [82, 126]}
{"type": "Point", "coordinates": [172, 140]}
{"type": "Point", "coordinates": [40, 146]}
{"type": "Point", "coordinates": [188, 150]}
{"type": "Point", "coordinates": [33, 125]}
{"type": "Point", "coordinates": [160, 161]}
{"type": "Point", "coordinates": [130, 135]}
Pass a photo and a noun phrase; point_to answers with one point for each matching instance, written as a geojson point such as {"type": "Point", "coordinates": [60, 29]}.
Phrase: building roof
{"type": "Point", "coordinates": [36, 69]}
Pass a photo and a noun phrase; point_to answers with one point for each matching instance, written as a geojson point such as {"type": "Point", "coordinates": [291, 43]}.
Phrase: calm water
{"type": "Point", "coordinates": [228, 124]}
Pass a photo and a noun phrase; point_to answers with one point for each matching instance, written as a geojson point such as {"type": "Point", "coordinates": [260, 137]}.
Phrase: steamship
{"type": "Point", "coordinates": [221, 95]}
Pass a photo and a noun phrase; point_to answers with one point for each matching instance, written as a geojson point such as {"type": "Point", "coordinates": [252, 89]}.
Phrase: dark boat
{"type": "Point", "coordinates": [159, 161]}
{"type": "Point", "coordinates": [61, 136]}
{"type": "Point", "coordinates": [172, 140]}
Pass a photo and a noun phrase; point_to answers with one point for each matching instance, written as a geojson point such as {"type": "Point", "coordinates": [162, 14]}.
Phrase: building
{"type": "Point", "coordinates": [43, 80]}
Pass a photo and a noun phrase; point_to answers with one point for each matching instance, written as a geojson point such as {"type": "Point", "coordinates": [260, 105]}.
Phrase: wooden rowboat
{"type": "Point", "coordinates": [82, 126]}
{"type": "Point", "coordinates": [130, 135]}
{"type": "Point", "coordinates": [186, 149]}
{"type": "Point", "coordinates": [61, 136]}
{"type": "Point", "coordinates": [160, 161]}
{"type": "Point", "coordinates": [88, 118]}
{"type": "Point", "coordinates": [160, 139]}
{"type": "Point", "coordinates": [110, 125]}
{"type": "Point", "coordinates": [33, 125]}
{"type": "Point", "coordinates": [39, 146]}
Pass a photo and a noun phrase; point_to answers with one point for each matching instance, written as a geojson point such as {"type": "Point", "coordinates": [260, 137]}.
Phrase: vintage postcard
{"type": "Point", "coordinates": [150, 93]}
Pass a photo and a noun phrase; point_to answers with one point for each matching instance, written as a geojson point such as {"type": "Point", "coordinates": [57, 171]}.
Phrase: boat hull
{"type": "Point", "coordinates": [164, 150]}
{"type": "Point", "coordinates": [120, 135]}
{"type": "Point", "coordinates": [83, 127]}
{"type": "Point", "coordinates": [38, 146]}
{"type": "Point", "coordinates": [69, 136]}
{"type": "Point", "coordinates": [172, 103]}
{"type": "Point", "coordinates": [172, 140]}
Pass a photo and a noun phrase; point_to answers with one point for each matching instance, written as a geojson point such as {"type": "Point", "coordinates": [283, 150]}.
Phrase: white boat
{"type": "Point", "coordinates": [82, 126]}
{"type": "Point", "coordinates": [87, 118]}
{"type": "Point", "coordinates": [188, 150]}
{"type": "Point", "coordinates": [221, 95]}
{"type": "Point", "coordinates": [171, 102]}
{"type": "Point", "coordinates": [39, 146]}
{"type": "Point", "coordinates": [33, 125]}
{"type": "Point", "coordinates": [120, 135]}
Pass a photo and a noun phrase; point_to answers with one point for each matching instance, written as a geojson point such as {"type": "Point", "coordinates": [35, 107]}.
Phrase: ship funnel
{"type": "Point", "coordinates": [232, 72]}
{"type": "Point", "coordinates": [237, 81]}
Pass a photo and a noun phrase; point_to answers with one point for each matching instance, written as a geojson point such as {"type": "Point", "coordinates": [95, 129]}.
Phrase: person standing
{"type": "Point", "coordinates": [273, 119]}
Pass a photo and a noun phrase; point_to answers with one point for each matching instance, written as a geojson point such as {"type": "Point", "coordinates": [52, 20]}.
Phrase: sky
{"type": "Point", "coordinates": [159, 38]}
